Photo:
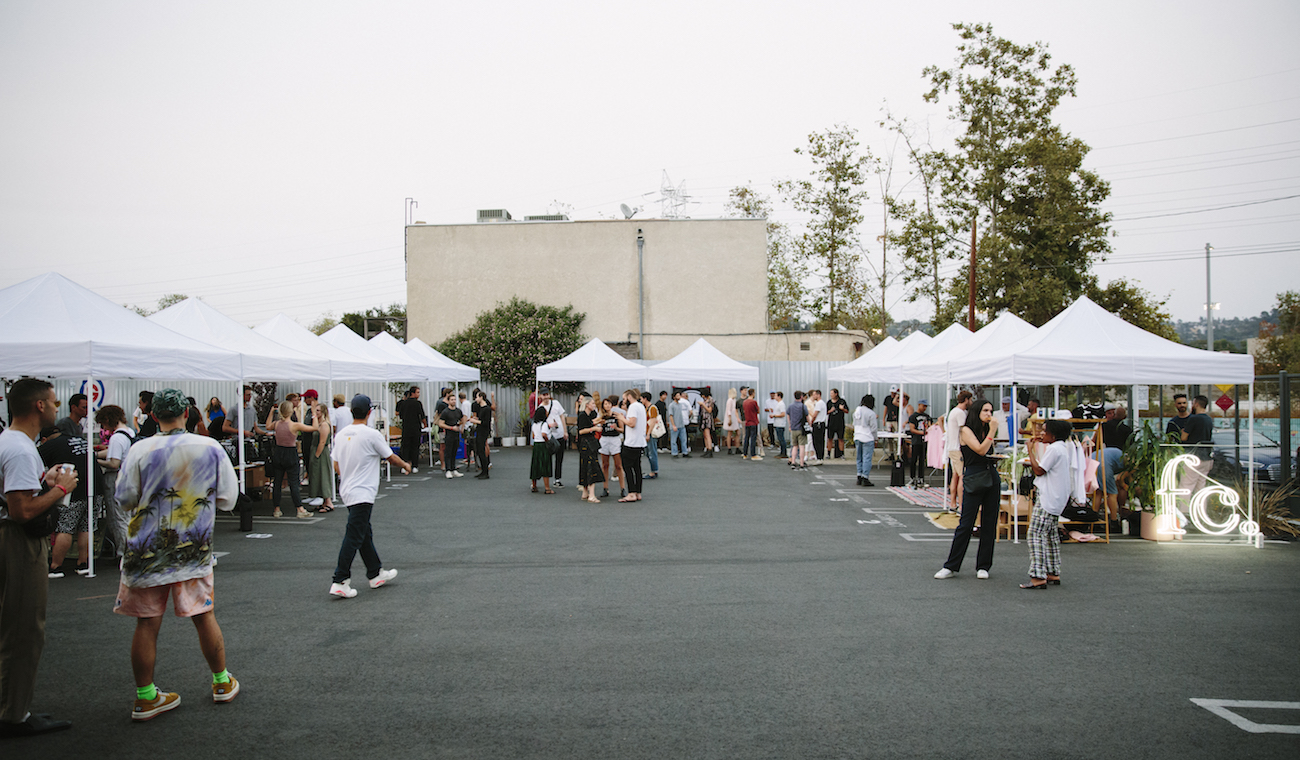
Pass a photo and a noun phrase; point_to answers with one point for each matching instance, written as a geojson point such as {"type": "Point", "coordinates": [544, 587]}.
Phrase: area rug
{"type": "Point", "coordinates": [925, 497]}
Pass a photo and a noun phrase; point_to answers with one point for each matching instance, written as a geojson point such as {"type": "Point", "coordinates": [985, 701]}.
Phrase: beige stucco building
{"type": "Point", "coordinates": [701, 278]}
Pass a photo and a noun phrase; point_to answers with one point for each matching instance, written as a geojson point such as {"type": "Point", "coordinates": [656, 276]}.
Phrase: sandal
{"type": "Point", "coordinates": [276, 513]}
{"type": "Point", "coordinates": [1053, 581]}
{"type": "Point", "coordinates": [534, 489]}
{"type": "Point", "coordinates": [549, 491]}
{"type": "Point", "coordinates": [1033, 585]}
{"type": "Point", "coordinates": [625, 500]}
{"type": "Point", "coordinates": [593, 500]}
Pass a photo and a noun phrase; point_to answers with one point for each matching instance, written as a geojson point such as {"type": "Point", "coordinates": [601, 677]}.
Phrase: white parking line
{"type": "Point", "coordinates": [1220, 708]}
{"type": "Point", "coordinates": [927, 536]}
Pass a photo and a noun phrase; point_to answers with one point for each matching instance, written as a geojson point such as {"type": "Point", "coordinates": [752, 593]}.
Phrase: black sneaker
{"type": "Point", "coordinates": [867, 482]}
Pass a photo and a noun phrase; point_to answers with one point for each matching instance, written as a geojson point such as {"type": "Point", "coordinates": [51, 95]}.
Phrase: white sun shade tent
{"type": "Point", "coordinates": [52, 327]}
{"type": "Point", "coordinates": [593, 362]}
{"type": "Point", "coordinates": [878, 353]}
{"type": "Point", "coordinates": [701, 361]}
{"type": "Point", "coordinates": [259, 356]}
{"type": "Point", "coordinates": [398, 368]}
{"type": "Point", "coordinates": [445, 368]}
{"type": "Point", "coordinates": [344, 365]}
{"type": "Point", "coordinates": [932, 367]}
{"type": "Point", "coordinates": [863, 369]}
{"type": "Point", "coordinates": [461, 373]}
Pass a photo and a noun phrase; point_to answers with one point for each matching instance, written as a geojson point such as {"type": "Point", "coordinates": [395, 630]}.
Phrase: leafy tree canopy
{"type": "Point", "coordinates": [1279, 349]}
{"type": "Point", "coordinates": [509, 342]}
{"type": "Point", "coordinates": [171, 299]}
{"type": "Point", "coordinates": [356, 320]}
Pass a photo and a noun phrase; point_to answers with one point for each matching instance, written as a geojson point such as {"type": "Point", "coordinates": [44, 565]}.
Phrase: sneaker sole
{"type": "Point", "coordinates": [228, 696]}
{"type": "Point", "coordinates": [155, 712]}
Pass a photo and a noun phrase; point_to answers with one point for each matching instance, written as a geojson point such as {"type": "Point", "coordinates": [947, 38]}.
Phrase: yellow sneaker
{"type": "Point", "coordinates": [224, 692]}
{"type": "Point", "coordinates": [146, 709]}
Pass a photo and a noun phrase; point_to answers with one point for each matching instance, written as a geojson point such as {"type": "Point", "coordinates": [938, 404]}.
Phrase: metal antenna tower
{"type": "Point", "coordinates": [672, 200]}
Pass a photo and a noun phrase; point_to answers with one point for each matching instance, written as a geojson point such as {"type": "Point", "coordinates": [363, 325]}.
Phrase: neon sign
{"type": "Point", "coordinates": [1167, 497]}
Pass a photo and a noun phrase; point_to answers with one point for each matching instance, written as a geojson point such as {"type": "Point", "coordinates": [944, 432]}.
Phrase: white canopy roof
{"type": "Point", "coordinates": [259, 356]}
{"type": "Point", "coordinates": [932, 367]}
{"type": "Point", "coordinates": [52, 327]}
{"type": "Point", "coordinates": [593, 362]}
{"type": "Point", "coordinates": [912, 351]}
{"type": "Point", "coordinates": [444, 368]}
{"type": "Point", "coordinates": [398, 369]}
{"type": "Point", "coordinates": [344, 365]}
{"type": "Point", "coordinates": [863, 369]}
{"type": "Point", "coordinates": [1087, 345]}
{"type": "Point", "coordinates": [460, 373]}
{"type": "Point", "coordinates": [701, 361]}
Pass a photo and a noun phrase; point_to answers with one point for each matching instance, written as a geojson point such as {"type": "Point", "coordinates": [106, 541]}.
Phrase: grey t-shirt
{"type": "Point", "coordinates": [21, 468]}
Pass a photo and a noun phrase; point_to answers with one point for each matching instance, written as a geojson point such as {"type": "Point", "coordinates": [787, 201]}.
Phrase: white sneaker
{"type": "Point", "coordinates": [383, 577]}
{"type": "Point", "coordinates": [756, 458]}
{"type": "Point", "coordinates": [316, 502]}
{"type": "Point", "coordinates": [343, 590]}
{"type": "Point", "coordinates": [945, 574]}
{"type": "Point", "coordinates": [449, 475]}
{"type": "Point", "coordinates": [457, 473]}
{"type": "Point", "coordinates": [982, 574]}
{"type": "Point", "coordinates": [415, 470]}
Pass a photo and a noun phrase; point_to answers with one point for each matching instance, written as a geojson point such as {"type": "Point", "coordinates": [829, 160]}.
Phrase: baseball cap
{"type": "Point", "coordinates": [923, 401]}
{"type": "Point", "coordinates": [360, 406]}
{"type": "Point", "coordinates": [310, 394]}
{"type": "Point", "coordinates": [340, 398]}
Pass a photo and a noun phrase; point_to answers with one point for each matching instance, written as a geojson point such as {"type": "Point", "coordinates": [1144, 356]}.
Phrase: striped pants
{"type": "Point", "coordinates": [1044, 544]}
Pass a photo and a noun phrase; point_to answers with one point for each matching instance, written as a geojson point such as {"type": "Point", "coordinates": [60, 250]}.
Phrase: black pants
{"type": "Point", "coordinates": [286, 464]}
{"type": "Point", "coordinates": [819, 440]}
{"type": "Point", "coordinates": [411, 444]}
{"type": "Point", "coordinates": [916, 459]}
{"type": "Point", "coordinates": [450, 443]}
{"type": "Point", "coordinates": [358, 536]}
{"type": "Point", "coordinates": [558, 467]}
{"type": "Point", "coordinates": [480, 450]}
{"type": "Point", "coordinates": [632, 468]}
{"type": "Point", "coordinates": [985, 504]}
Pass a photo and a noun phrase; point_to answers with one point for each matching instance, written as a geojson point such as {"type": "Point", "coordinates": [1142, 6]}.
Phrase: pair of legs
{"type": "Point", "coordinates": [836, 437]}
{"type": "Point", "coordinates": [1044, 547]}
{"type": "Point", "coordinates": [750, 448]}
{"type": "Point", "coordinates": [286, 466]}
{"type": "Point", "coordinates": [24, 565]}
{"type": "Point", "coordinates": [144, 645]}
{"type": "Point", "coordinates": [411, 444]}
{"type": "Point", "coordinates": [652, 454]}
{"type": "Point", "coordinates": [780, 439]}
{"type": "Point", "coordinates": [557, 467]}
{"type": "Point", "coordinates": [679, 442]}
{"type": "Point", "coordinates": [358, 537]}
{"type": "Point", "coordinates": [62, 543]}
{"type": "Point", "coordinates": [481, 451]}
{"type": "Point", "coordinates": [916, 460]}
{"type": "Point", "coordinates": [588, 472]}
{"type": "Point", "coordinates": [954, 485]}
{"type": "Point", "coordinates": [450, 444]}
{"type": "Point", "coordinates": [706, 433]}
{"type": "Point", "coordinates": [631, 460]}
{"type": "Point", "coordinates": [982, 504]}
{"type": "Point", "coordinates": [866, 450]}
{"type": "Point", "coordinates": [819, 440]}
{"type": "Point", "coordinates": [796, 450]}
{"type": "Point", "coordinates": [617, 459]}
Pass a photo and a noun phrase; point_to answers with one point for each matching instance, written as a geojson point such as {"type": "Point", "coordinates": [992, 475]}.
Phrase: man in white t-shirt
{"type": "Point", "coordinates": [817, 418]}
{"type": "Point", "coordinates": [25, 582]}
{"type": "Point", "coordinates": [779, 422]}
{"type": "Point", "coordinates": [557, 429]}
{"type": "Point", "coordinates": [358, 451]}
{"type": "Point", "coordinates": [952, 424]}
{"type": "Point", "coordinates": [634, 440]}
{"type": "Point", "coordinates": [1052, 484]}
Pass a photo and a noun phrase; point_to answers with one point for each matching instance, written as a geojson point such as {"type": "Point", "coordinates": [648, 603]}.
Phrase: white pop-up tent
{"type": "Point", "coordinates": [593, 362]}
{"type": "Point", "coordinates": [701, 361]}
{"type": "Point", "coordinates": [397, 368]}
{"type": "Point", "coordinates": [863, 369]}
{"type": "Point", "coordinates": [445, 368]}
{"type": "Point", "coordinates": [344, 365]}
{"type": "Point", "coordinates": [913, 350]}
{"type": "Point", "coordinates": [460, 373]}
{"type": "Point", "coordinates": [932, 367]}
{"type": "Point", "coordinates": [259, 356]}
{"type": "Point", "coordinates": [52, 327]}
{"type": "Point", "coordinates": [879, 353]}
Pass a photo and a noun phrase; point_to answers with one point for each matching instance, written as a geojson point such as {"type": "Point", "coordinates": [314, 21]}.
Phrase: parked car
{"type": "Point", "coordinates": [1231, 463]}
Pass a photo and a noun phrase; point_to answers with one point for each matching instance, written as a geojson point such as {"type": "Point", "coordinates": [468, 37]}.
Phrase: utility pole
{"type": "Point", "coordinates": [1209, 304]}
{"type": "Point", "coordinates": [970, 319]}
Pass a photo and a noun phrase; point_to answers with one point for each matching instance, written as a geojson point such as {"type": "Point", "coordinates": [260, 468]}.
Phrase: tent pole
{"type": "Point", "coordinates": [1013, 435]}
{"type": "Point", "coordinates": [239, 439]}
{"type": "Point", "coordinates": [1250, 488]}
{"type": "Point", "coordinates": [90, 481]}
{"type": "Point", "coordinates": [329, 419]}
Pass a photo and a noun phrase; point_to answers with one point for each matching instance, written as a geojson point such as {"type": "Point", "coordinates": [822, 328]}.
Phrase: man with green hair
{"type": "Point", "coordinates": [170, 486]}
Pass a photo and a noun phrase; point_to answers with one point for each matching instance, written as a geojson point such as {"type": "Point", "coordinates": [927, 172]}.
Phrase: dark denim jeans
{"type": "Point", "coordinates": [358, 536]}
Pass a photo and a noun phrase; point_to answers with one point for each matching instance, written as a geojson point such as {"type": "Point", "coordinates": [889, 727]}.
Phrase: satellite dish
{"type": "Point", "coordinates": [628, 213]}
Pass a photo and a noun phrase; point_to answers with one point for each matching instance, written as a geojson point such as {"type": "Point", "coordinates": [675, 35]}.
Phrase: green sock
{"type": "Point", "coordinates": [222, 677]}
{"type": "Point", "coordinates": [149, 692]}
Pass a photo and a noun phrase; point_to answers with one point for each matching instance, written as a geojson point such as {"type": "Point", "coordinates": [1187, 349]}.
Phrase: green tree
{"type": "Point", "coordinates": [1019, 178]}
{"type": "Point", "coordinates": [786, 294]}
{"type": "Point", "coordinates": [509, 342]}
{"type": "Point", "coordinates": [1279, 346]}
{"type": "Point", "coordinates": [168, 300]}
{"type": "Point", "coordinates": [393, 316]}
{"type": "Point", "coordinates": [1135, 306]}
{"type": "Point", "coordinates": [833, 199]}
{"type": "Point", "coordinates": [324, 324]}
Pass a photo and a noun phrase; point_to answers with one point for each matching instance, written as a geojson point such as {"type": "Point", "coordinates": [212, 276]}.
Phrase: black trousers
{"type": "Point", "coordinates": [985, 504]}
{"type": "Point", "coordinates": [450, 443]}
{"type": "Point", "coordinates": [558, 468]}
{"type": "Point", "coordinates": [411, 444]}
{"type": "Point", "coordinates": [916, 459]}
{"type": "Point", "coordinates": [632, 468]}
{"type": "Point", "coordinates": [480, 449]}
{"type": "Point", "coordinates": [286, 464]}
{"type": "Point", "coordinates": [819, 440]}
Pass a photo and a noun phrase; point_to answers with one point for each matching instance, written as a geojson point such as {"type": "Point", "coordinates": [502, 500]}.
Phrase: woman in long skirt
{"type": "Point", "coordinates": [541, 465]}
{"type": "Point", "coordinates": [588, 449]}
{"type": "Point", "coordinates": [320, 471]}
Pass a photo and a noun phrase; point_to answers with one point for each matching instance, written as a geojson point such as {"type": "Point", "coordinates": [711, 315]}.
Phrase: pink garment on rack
{"type": "Point", "coordinates": [935, 447]}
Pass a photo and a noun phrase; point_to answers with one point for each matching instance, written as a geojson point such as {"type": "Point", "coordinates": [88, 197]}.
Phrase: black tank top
{"type": "Point", "coordinates": [971, 458]}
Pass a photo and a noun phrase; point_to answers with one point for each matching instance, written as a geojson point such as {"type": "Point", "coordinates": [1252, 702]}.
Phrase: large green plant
{"type": "Point", "coordinates": [510, 342]}
{"type": "Point", "coordinates": [1146, 455]}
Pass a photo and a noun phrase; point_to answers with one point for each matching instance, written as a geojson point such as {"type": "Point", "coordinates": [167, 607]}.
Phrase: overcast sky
{"type": "Point", "coordinates": [258, 154]}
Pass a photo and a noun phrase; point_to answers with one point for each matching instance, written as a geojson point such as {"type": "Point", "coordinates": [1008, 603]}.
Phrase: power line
{"type": "Point", "coordinates": [1198, 134]}
{"type": "Point", "coordinates": [1204, 210]}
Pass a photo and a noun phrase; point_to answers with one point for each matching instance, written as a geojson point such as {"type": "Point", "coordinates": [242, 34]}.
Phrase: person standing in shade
{"type": "Point", "coordinates": [633, 417]}
{"type": "Point", "coordinates": [836, 409]}
{"type": "Point", "coordinates": [917, 424]}
{"type": "Point", "coordinates": [952, 425]}
{"type": "Point", "coordinates": [679, 417]}
{"type": "Point", "coordinates": [981, 492]}
{"type": "Point", "coordinates": [651, 450]}
{"type": "Point", "coordinates": [865, 426]}
{"type": "Point", "coordinates": [358, 451]}
{"type": "Point", "coordinates": [172, 485]}
{"type": "Point", "coordinates": [320, 468]}
{"type": "Point", "coordinates": [540, 466]}
{"type": "Point", "coordinates": [731, 424]}
{"type": "Point", "coordinates": [1052, 486]}
{"type": "Point", "coordinates": [74, 520]}
{"type": "Point", "coordinates": [450, 422]}
{"type": "Point", "coordinates": [797, 415]}
{"type": "Point", "coordinates": [1181, 413]}
{"type": "Point", "coordinates": [749, 413]}
{"type": "Point", "coordinates": [817, 418]}
{"type": "Point", "coordinates": [708, 415]}
{"type": "Point", "coordinates": [778, 424]}
{"type": "Point", "coordinates": [588, 448]}
{"type": "Point", "coordinates": [411, 412]}
{"type": "Point", "coordinates": [285, 456]}
{"type": "Point", "coordinates": [481, 416]}
{"type": "Point", "coordinates": [29, 490]}
{"type": "Point", "coordinates": [664, 442]}
{"type": "Point", "coordinates": [559, 431]}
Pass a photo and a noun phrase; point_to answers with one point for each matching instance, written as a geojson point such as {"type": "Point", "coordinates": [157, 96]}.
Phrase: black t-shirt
{"type": "Point", "coordinates": [63, 449]}
{"type": "Point", "coordinates": [835, 411]}
{"type": "Point", "coordinates": [411, 412]}
{"type": "Point", "coordinates": [1199, 429]}
{"type": "Point", "coordinates": [1116, 434]}
{"type": "Point", "coordinates": [451, 416]}
{"type": "Point", "coordinates": [891, 409]}
{"type": "Point", "coordinates": [148, 428]}
{"type": "Point", "coordinates": [484, 414]}
{"type": "Point", "coordinates": [921, 421]}
{"type": "Point", "coordinates": [1176, 424]}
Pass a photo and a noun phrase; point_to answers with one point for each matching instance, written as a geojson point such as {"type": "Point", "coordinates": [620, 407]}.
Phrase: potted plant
{"type": "Point", "coordinates": [1144, 459]}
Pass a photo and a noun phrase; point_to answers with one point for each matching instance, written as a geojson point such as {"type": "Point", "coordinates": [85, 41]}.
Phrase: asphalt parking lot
{"type": "Point", "coordinates": [740, 611]}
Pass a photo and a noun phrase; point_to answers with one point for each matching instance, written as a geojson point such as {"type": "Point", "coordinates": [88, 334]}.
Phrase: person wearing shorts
{"type": "Point", "coordinates": [171, 485]}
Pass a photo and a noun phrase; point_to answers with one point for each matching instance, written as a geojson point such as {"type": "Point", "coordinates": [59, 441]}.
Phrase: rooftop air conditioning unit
{"type": "Point", "coordinates": [493, 215]}
{"type": "Point", "coordinates": [547, 218]}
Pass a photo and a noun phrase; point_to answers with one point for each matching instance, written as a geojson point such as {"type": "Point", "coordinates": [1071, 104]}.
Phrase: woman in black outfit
{"type": "Point", "coordinates": [981, 492]}
{"type": "Point", "coordinates": [589, 473]}
{"type": "Point", "coordinates": [481, 417]}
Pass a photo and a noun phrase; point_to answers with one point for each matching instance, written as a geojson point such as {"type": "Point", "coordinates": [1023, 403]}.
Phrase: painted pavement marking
{"type": "Point", "coordinates": [1220, 708]}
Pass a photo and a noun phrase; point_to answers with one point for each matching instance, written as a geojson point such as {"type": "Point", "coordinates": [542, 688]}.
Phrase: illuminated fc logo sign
{"type": "Point", "coordinates": [1168, 493]}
